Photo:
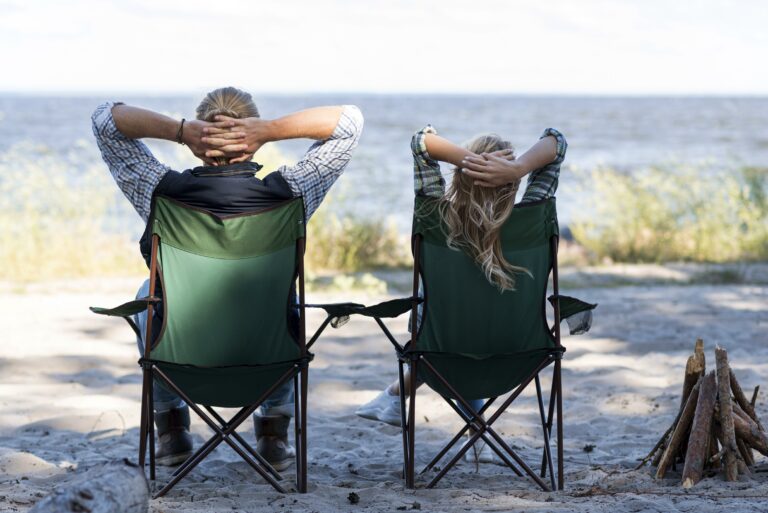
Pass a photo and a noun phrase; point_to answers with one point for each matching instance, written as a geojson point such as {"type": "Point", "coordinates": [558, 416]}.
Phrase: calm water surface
{"type": "Point", "coordinates": [626, 133]}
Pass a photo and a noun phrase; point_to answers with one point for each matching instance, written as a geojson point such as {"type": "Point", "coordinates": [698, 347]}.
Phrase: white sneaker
{"type": "Point", "coordinates": [384, 407]}
{"type": "Point", "coordinates": [479, 453]}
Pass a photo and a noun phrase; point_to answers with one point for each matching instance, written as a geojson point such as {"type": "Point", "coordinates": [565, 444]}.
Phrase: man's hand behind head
{"type": "Point", "coordinates": [192, 136]}
{"type": "Point", "coordinates": [237, 139]}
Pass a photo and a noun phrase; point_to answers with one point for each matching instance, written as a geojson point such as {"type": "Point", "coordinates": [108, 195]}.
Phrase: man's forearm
{"type": "Point", "coordinates": [316, 123]}
{"type": "Point", "coordinates": [137, 123]}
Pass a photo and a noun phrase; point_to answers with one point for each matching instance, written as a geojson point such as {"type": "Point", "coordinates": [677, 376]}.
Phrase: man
{"type": "Point", "coordinates": [225, 136]}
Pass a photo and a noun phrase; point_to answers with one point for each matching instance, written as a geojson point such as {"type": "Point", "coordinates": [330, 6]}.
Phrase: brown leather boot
{"type": "Point", "coordinates": [272, 440]}
{"type": "Point", "coordinates": [174, 440]}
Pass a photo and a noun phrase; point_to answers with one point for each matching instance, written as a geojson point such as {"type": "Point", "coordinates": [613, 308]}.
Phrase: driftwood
{"type": "Point", "coordinates": [726, 415]}
{"type": "Point", "coordinates": [686, 417]}
{"type": "Point", "coordinates": [697, 451]}
{"type": "Point", "coordinates": [741, 400]}
{"type": "Point", "coordinates": [119, 488]}
{"type": "Point", "coordinates": [715, 428]}
{"type": "Point", "coordinates": [694, 369]}
{"type": "Point", "coordinates": [747, 430]}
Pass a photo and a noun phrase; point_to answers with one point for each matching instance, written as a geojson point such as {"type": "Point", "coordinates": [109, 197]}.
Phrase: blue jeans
{"type": "Point", "coordinates": [476, 404]}
{"type": "Point", "coordinates": [279, 403]}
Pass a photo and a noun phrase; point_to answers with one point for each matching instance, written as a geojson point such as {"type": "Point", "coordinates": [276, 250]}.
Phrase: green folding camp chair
{"type": "Point", "coordinates": [226, 339]}
{"type": "Point", "coordinates": [475, 342]}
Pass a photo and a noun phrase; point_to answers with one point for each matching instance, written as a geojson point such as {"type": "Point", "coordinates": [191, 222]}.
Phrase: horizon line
{"type": "Point", "coordinates": [548, 94]}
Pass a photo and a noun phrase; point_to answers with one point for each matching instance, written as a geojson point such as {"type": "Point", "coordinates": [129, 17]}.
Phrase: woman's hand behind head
{"type": "Point", "coordinates": [493, 169]}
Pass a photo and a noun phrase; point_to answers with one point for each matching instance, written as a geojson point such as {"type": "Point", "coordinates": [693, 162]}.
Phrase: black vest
{"type": "Point", "coordinates": [221, 190]}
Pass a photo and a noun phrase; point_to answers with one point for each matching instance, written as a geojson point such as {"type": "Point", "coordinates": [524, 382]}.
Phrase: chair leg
{"type": "Point", "coordinates": [560, 476]}
{"type": "Point", "coordinates": [296, 429]}
{"type": "Point", "coordinates": [411, 468]}
{"type": "Point", "coordinates": [547, 452]}
{"type": "Point", "coordinates": [151, 428]}
{"type": "Point", "coordinates": [143, 422]}
{"type": "Point", "coordinates": [550, 418]}
{"type": "Point", "coordinates": [403, 423]}
{"type": "Point", "coordinates": [303, 434]}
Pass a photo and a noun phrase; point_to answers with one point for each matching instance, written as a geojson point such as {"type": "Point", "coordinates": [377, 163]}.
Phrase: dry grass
{"type": "Point", "coordinates": [52, 222]}
{"type": "Point", "coordinates": [683, 214]}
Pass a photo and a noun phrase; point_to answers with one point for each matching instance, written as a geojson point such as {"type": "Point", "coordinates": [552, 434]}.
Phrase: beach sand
{"type": "Point", "coordinates": [70, 388]}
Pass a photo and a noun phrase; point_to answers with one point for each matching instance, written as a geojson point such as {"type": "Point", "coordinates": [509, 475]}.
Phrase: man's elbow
{"type": "Point", "coordinates": [356, 119]}
{"type": "Point", "coordinates": [99, 118]}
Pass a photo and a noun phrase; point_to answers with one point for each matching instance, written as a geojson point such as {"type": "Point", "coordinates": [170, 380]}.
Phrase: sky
{"type": "Point", "coordinates": [570, 47]}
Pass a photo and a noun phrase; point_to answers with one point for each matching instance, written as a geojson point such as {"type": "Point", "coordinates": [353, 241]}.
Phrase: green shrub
{"type": "Point", "coordinates": [682, 214]}
{"type": "Point", "coordinates": [350, 244]}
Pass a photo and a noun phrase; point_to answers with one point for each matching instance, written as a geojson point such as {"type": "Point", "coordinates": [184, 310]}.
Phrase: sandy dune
{"type": "Point", "coordinates": [69, 400]}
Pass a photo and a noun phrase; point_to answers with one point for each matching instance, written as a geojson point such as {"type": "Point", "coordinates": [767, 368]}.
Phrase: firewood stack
{"type": "Point", "coordinates": [716, 427]}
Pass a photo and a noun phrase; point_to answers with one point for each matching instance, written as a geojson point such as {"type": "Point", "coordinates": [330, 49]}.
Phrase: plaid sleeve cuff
{"type": "Point", "coordinates": [419, 146]}
{"type": "Point", "coordinates": [103, 122]}
{"type": "Point", "coordinates": [427, 179]}
{"type": "Point", "coordinates": [350, 124]}
{"type": "Point", "coordinates": [562, 144]}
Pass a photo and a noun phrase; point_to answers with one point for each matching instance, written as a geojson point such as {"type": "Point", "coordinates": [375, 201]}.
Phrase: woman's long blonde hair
{"type": "Point", "coordinates": [473, 216]}
{"type": "Point", "coordinates": [226, 101]}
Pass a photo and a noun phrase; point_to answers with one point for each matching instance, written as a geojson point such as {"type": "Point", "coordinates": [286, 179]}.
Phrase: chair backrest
{"type": "Point", "coordinates": [475, 332]}
{"type": "Point", "coordinates": [226, 284]}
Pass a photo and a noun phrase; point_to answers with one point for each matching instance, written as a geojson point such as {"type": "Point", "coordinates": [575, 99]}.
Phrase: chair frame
{"type": "Point", "coordinates": [225, 431]}
{"type": "Point", "coordinates": [408, 355]}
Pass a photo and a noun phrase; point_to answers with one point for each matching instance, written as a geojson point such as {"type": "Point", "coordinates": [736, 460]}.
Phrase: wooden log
{"type": "Point", "coordinates": [745, 451]}
{"type": "Point", "coordinates": [754, 396]}
{"type": "Point", "coordinates": [658, 449]}
{"type": "Point", "coordinates": [741, 466]}
{"type": "Point", "coordinates": [694, 369]}
{"type": "Point", "coordinates": [714, 449]}
{"type": "Point", "coordinates": [741, 400]}
{"type": "Point", "coordinates": [697, 452]}
{"type": "Point", "coordinates": [747, 430]}
{"type": "Point", "coordinates": [679, 432]}
{"type": "Point", "coordinates": [116, 488]}
{"type": "Point", "coordinates": [726, 415]}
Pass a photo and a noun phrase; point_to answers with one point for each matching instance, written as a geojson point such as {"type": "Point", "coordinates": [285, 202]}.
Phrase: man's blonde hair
{"type": "Point", "coordinates": [226, 101]}
{"type": "Point", "coordinates": [474, 215]}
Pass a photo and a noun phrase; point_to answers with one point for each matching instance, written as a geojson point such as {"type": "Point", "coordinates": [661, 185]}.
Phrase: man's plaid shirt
{"type": "Point", "coordinates": [428, 181]}
{"type": "Point", "coordinates": [137, 172]}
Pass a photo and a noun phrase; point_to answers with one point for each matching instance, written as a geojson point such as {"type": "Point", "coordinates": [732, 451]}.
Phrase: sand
{"type": "Point", "coordinates": [69, 401]}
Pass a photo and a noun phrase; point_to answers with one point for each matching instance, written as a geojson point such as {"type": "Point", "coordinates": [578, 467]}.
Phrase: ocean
{"type": "Point", "coordinates": [628, 134]}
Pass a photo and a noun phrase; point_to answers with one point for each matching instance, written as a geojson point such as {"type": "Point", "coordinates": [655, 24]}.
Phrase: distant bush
{"type": "Point", "coordinates": [52, 220]}
{"type": "Point", "coordinates": [350, 244]}
{"type": "Point", "coordinates": [58, 220]}
{"type": "Point", "coordinates": [681, 214]}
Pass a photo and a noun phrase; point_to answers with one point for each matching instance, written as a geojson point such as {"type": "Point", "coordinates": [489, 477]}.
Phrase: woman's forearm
{"type": "Point", "coordinates": [440, 148]}
{"type": "Point", "coordinates": [538, 155]}
{"type": "Point", "coordinates": [137, 123]}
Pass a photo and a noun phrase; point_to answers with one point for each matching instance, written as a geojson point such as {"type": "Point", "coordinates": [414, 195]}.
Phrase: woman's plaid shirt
{"type": "Point", "coordinates": [428, 181]}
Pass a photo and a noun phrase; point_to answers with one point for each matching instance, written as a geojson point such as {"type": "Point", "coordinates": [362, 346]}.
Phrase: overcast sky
{"type": "Point", "coordinates": [429, 46]}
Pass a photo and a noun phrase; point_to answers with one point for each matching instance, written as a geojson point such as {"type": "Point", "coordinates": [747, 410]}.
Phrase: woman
{"type": "Point", "coordinates": [480, 199]}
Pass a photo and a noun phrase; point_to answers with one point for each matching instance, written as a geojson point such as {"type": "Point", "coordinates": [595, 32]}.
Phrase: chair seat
{"type": "Point", "coordinates": [226, 387]}
{"type": "Point", "coordinates": [479, 377]}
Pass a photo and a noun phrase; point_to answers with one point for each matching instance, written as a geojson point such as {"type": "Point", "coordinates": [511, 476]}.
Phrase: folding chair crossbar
{"type": "Point", "coordinates": [225, 433]}
{"type": "Point", "coordinates": [455, 439]}
{"type": "Point", "coordinates": [479, 430]}
{"type": "Point", "coordinates": [483, 425]}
